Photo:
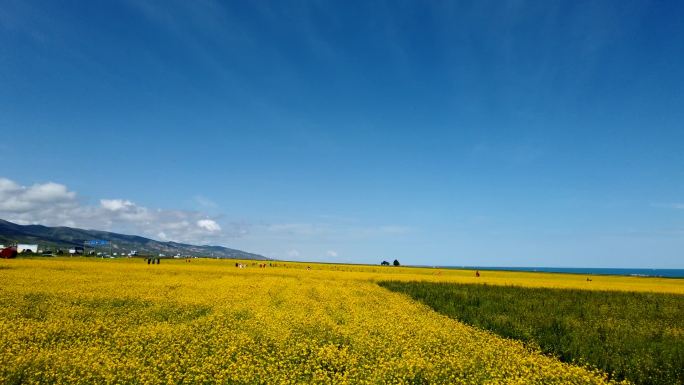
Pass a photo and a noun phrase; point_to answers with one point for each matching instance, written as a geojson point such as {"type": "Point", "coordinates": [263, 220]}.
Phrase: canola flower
{"type": "Point", "coordinates": [86, 321]}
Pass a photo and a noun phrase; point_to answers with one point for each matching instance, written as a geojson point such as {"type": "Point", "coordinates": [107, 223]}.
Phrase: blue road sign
{"type": "Point", "coordinates": [97, 242]}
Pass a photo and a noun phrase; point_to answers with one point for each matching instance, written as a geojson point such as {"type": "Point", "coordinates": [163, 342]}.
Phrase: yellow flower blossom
{"type": "Point", "coordinates": [85, 321]}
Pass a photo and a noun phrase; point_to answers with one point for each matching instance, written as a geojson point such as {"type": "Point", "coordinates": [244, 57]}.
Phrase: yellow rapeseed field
{"type": "Point", "coordinates": [203, 322]}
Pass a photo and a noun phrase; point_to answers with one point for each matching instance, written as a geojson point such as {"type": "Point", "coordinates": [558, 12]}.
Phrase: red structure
{"type": "Point", "coordinates": [8, 252]}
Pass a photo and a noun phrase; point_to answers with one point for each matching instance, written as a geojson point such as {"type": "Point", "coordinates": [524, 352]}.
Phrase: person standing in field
{"type": "Point", "coordinates": [477, 273]}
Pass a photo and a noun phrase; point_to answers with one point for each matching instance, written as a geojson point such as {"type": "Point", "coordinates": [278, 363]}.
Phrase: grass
{"type": "Point", "coordinates": [637, 336]}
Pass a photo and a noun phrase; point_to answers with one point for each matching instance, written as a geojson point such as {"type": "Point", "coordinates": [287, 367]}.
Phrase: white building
{"type": "Point", "coordinates": [22, 247]}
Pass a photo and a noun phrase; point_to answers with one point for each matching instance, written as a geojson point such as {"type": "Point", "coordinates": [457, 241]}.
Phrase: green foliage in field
{"type": "Point", "coordinates": [637, 336]}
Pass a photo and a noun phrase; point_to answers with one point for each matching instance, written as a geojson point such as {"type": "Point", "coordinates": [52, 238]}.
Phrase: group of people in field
{"type": "Point", "coordinates": [261, 265]}
{"type": "Point", "coordinates": [155, 261]}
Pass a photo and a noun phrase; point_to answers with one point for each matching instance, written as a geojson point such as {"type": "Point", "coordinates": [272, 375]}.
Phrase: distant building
{"type": "Point", "coordinates": [22, 248]}
{"type": "Point", "coordinates": [76, 250]}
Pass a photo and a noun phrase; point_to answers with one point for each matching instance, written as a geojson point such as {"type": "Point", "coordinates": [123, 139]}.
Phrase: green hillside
{"type": "Point", "coordinates": [65, 237]}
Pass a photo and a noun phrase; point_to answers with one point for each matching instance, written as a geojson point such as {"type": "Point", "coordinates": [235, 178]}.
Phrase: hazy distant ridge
{"type": "Point", "coordinates": [64, 237]}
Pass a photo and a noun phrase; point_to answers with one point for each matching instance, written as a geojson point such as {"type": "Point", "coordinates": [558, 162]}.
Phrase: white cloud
{"type": "Point", "coordinates": [52, 204]}
{"type": "Point", "coordinates": [208, 225]}
{"type": "Point", "coordinates": [17, 199]}
{"type": "Point", "coordinates": [115, 204]}
{"type": "Point", "coordinates": [8, 185]}
{"type": "Point", "coordinates": [49, 192]}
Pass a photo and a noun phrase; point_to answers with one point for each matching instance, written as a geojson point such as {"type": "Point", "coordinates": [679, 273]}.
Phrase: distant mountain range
{"type": "Point", "coordinates": [66, 237]}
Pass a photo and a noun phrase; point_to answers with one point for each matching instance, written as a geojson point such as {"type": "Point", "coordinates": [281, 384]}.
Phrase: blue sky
{"type": "Point", "coordinates": [451, 133]}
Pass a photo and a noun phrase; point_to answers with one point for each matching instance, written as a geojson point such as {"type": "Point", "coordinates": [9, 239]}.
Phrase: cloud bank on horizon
{"type": "Point", "coordinates": [53, 204]}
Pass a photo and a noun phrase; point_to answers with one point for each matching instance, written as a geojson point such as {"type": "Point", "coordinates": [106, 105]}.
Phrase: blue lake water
{"type": "Point", "coordinates": [668, 273]}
